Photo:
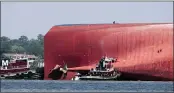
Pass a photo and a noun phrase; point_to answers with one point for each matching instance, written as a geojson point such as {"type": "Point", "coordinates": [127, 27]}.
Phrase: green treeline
{"type": "Point", "coordinates": [23, 45]}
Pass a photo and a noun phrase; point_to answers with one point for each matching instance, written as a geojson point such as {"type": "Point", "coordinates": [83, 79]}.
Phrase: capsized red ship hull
{"type": "Point", "coordinates": [144, 51]}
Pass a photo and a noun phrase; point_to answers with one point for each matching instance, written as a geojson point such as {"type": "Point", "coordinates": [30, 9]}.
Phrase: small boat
{"type": "Point", "coordinates": [103, 71]}
{"type": "Point", "coordinates": [15, 64]}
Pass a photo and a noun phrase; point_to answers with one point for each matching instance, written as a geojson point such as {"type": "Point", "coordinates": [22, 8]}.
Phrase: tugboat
{"type": "Point", "coordinates": [103, 71]}
{"type": "Point", "coordinates": [16, 66]}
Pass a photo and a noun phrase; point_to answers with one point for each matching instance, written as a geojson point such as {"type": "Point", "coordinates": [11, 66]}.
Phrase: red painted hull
{"type": "Point", "coordinates": [13, 71]}
{"type": "Point", "coordinates": [144, 51]}
{"type": "Point", "coordinates": [14, 67]}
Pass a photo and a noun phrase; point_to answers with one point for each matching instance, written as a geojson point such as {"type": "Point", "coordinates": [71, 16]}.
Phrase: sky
{"type": "Point", "coordinates": [33, 18]}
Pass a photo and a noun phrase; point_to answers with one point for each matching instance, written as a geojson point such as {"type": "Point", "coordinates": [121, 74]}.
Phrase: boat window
{"type": "Point", "coordinates": [21, 60]}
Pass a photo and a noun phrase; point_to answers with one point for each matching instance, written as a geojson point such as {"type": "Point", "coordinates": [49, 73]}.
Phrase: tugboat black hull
{"type": "Point", "coordinates": [100, 78]}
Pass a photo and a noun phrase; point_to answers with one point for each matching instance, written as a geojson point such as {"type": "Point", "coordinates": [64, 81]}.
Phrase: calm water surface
{"type": "Point", "coordinates": [84, 86]}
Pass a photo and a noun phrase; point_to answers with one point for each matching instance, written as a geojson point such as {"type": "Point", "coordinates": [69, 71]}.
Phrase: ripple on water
{"type": "Point", "coordinates": [85, 86]}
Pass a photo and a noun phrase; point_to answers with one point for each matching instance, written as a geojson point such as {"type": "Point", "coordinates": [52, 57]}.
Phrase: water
{"type": "Point", "coordinates": [84, 86]}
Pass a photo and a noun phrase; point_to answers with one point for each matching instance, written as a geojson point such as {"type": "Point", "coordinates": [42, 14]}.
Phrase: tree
{"type": "Point", "coordinates": [23, 40]}
{"type": "Point", "coordinates": [35, 47]}
{"type": "Point", "coordinates": [15, 42]}
{"type": "Point", "coordinates": [17, 49]}
{"type": "Point", "coordinates": [4, 38]}
{"type": "Point", "coordinates": [23, 44]}
{"type": "Point", "coordinates": [5, 44]}
{"type": "Point", "coordinates": [40, 38]}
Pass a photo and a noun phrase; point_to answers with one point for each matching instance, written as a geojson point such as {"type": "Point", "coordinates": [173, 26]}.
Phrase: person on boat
{"type": "Point", "coordinates": [97, 67]}
{"type": "Point", "coordinates": [101, 64]}
{"type": "Point", "coordinates": [110, 64]}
